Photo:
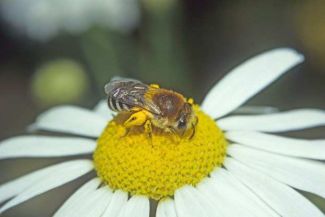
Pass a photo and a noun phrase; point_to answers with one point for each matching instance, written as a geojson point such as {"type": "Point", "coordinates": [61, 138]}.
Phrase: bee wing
{"type": "Point", "coordinates": [119, 78]}
{"type": "Point", "coordinates": [118, 81]}
{"type": "Point", "coordinates": [150, 106]}
{"type": "Point", "coordinates": [131, 92]}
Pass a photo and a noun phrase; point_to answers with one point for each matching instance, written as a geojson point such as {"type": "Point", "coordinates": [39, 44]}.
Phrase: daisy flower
{"type": "Point", "coordinates": [233, 166]}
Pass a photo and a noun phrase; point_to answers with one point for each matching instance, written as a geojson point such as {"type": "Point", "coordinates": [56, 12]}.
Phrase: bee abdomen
{"type": "Point", "coordinates": [117, 106]}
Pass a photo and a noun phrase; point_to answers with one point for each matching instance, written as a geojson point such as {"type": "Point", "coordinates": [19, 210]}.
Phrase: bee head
{"type": "Point", "coordinates": [185, 119]}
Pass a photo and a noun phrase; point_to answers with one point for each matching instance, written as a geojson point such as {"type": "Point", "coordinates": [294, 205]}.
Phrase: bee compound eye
{"type": "Point", "coordinates": [181, 124]}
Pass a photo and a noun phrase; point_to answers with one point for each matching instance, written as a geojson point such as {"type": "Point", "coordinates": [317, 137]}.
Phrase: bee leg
{"type": "Point", "coordinates": [127, 130]}
{"type": "Point", "coordinates": [193, 127]}
{"type": "Point", "coordinates": [196, 121]}
{"type": "Point", "coordinates": [148, 130]}
{"type": "Point", "coordinates": [136, 119]}
{"type": "Point", "coordinates": [193, 132]}
{"type": "Point", "coordinates": [176, 137]}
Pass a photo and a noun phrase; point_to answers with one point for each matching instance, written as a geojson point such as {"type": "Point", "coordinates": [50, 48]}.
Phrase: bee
{"type": "Point", "coordinates": [150, 105]}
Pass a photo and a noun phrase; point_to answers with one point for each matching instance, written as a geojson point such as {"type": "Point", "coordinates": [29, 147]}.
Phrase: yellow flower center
{"type": "Point", "coordinates": [158, 166]}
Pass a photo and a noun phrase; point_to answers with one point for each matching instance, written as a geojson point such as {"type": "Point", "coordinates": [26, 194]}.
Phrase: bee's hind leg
{"type": "Point", "coordinates": [136, 119]}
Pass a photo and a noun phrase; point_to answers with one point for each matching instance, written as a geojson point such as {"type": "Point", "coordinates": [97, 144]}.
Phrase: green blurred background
{"type": "Point", "coordinates": [63, 52]}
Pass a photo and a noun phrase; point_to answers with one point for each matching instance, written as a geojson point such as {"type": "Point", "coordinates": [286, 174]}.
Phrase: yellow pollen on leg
{"type": "Point", "coordinates": [159, 165]}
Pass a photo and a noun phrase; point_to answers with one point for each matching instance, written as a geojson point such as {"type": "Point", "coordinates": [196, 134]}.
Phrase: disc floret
{"type": "Point", "coordinates": [159, 165]}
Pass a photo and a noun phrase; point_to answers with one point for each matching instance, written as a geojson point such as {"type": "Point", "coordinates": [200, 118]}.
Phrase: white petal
{"type": "Point", "coordinates": [314, 149]}
{"type": "Point", "coordinates": [166, 208]}
{"type": "Point", "coordinates": [83, 204]}
{"type": "Point", "coordinates": [190, 202]}
{"type": "Point", "coordinates": [137, 206]}
{"type": "Point", "coordinates": [71, 171]}
{"type": "Point", "coordinates": [160, 211]}
{"type": "Point", "coordinates": [70, 119]}
{"type": "Point", "coordinates": [209, 209]}
{"type": "Point", "coordinates": [211, 188]}
{"type": "Point", "coordinates": [227, 186]}
{"type": "Point", "coordinates": [119, 200]}
{"type": "Point", "coordinates": [283, 199]}
{"type": "Point", "coordinates": [72, 204]}
{"type": "Point", "coordinates": [277, 122]}
{"type": "Point", "coordinates": [15, 187]}
{"type": "Point", "coordinates": [303, 174]}
{"type": "Point", "coordinates": [238, 193]}
{"type": "Point", "coordinates": [205, 187]}
{"type": "Point", "coordinates": [255, 110]}
{"type": "Point", "coordinates": [45, 146]}
{"type": "Point", "coordinates": [170, 209]}
{"type": "Point", "coordinates": [98, 207]}
{"type": "Point", "coordinates": [103, 110]}
{"type": "Point", "coordinates": [94, 204]}
{"type": "Point", "coordinates": [248, 79]}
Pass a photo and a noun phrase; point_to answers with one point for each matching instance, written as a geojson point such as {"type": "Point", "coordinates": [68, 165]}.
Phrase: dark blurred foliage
{"type": "Point", "coordinates": [183, 45]}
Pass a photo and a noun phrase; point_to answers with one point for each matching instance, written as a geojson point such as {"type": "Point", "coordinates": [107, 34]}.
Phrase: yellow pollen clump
{"type": "Point", "coordinates": [157, 167]}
